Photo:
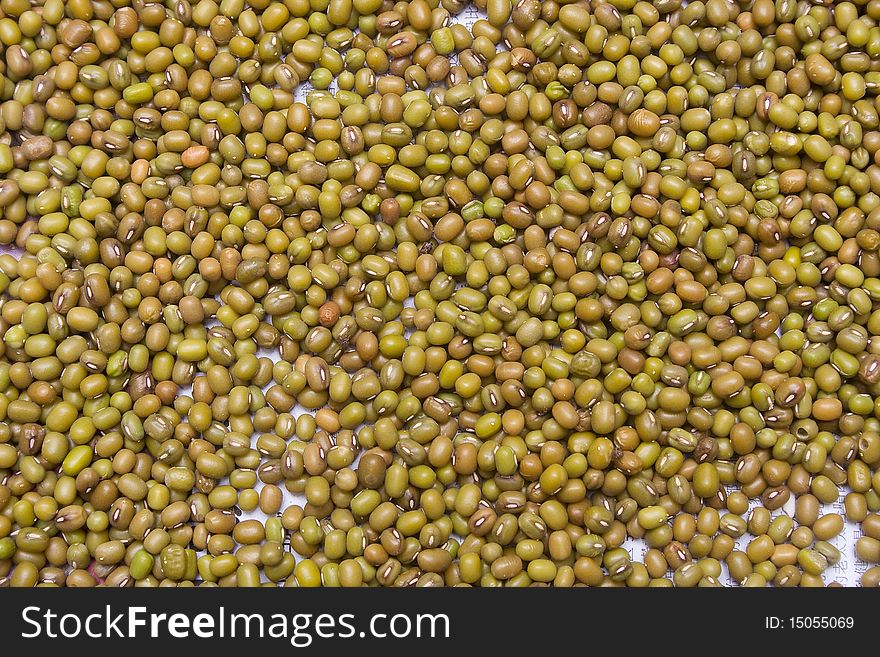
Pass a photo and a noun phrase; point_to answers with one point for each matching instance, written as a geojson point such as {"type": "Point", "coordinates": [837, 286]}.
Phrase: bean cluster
{"type": "Point", "coordinates": [491, 300]}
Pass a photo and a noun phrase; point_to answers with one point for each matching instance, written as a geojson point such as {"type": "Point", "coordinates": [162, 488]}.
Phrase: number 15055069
{"type": "Point", "coordinates": [809, 623]}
